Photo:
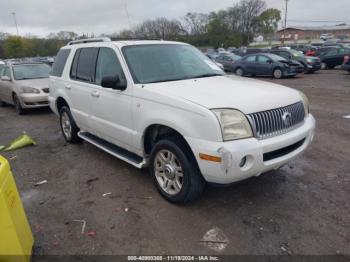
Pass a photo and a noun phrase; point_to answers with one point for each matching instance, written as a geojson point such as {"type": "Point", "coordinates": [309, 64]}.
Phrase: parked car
{"type": "Point", "coordinates": [333, 57]}
{"type": "Point", "coordinates": [167, 106]}
{"type": "Point", "coordinates": [323, 50]}
{"type": "Point", "coordinates": [311, 64]}
{"type": "Point", "coordinates": [25, 85]}
{"type": "Point", "coordinates": [346, 64]}
{"type": "Point", "coordinates": [266, 64]}
{"type": "Point", "coordinates": [2, 66]}
{"type": "Point", "coordinates": [311, 51]}
{"type": "Point", "coordinates": [221, 50]}
{"type": "Point", "coordinates": [227, 60]}
{"type": "Point", "coordinates": [326, 37]}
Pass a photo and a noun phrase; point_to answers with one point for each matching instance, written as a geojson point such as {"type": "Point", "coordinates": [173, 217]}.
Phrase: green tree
{"type": "Point", "coordinates": [268, 22]}
{"type": "Point", "coordinates": [14, 47]}
{"type": "Point", "coordinates": [220, 35]}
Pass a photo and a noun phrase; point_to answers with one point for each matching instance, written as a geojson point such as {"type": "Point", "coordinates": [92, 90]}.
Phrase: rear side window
{"type": "Point", "coordinates": [251, 58]}
{"type": "Point", "coordinates": [84, 63]}
{"type": "Point", "coordinates": [60, 62]}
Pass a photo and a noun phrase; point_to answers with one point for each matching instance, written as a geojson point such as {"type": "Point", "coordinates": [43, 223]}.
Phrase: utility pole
{"type": "Point", "coordinates": [14, 18]}
{"type": "Point", "coordinates": [285, 22]}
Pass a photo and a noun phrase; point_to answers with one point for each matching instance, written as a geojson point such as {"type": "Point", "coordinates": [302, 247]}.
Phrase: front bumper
{"type": "Point", "coordinates": [312, 67]}
{"type": "Point", "coordinates": [232, 153]}
{"type": "Point", "coordinates": [346, 67]}
{"type": "Point", "coordinates": [34, 100]}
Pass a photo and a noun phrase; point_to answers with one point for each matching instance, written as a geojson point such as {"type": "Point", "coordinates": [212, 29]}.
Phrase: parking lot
{"type": "Point", "coordinates": [303, 208]}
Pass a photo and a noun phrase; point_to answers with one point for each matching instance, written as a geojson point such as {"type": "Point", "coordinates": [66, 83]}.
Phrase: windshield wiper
{"type": "Point", "coordinates": [207, 75]}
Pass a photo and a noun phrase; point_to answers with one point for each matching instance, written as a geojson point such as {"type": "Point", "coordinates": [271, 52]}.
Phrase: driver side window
{"type": "Point", "coordinates": [108, 65]}
{"type": "Point", "coordinates": [7, 72]}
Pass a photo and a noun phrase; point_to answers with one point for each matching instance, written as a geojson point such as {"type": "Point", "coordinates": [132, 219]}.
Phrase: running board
{"type": "Point", "coordinates": [114, 150]}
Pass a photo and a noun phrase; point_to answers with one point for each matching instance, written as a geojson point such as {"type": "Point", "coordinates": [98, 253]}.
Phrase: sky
{"type": "Point", "coordinates": [40, 17]}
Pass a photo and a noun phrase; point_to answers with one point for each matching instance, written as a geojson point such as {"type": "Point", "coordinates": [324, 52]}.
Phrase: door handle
{"type": "Point", "coordinates": [68, 86]}
{"type": "Point", "coordinates": [95, 94]}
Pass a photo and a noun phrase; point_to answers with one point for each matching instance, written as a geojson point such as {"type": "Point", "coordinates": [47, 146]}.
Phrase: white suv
{"type": "Point", "coordinates": [167, 106]}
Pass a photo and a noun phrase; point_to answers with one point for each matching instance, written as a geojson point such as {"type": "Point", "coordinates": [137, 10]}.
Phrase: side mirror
{"type": "Point", "coordinates": [113, 82]}
{"type": "Point", "coordinates": [269, 61]}
{"type": "Point", "coordinates": [5, 78]}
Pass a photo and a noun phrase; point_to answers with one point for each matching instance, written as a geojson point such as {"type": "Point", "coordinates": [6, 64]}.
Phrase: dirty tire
{"type": "Point", "coordinates": [192, 180]}
{"type": "Point", "coordinates": [18, 106]}
{"type": "Point", "coordinates": [2, 104]}
{"type": "Point", "coordinates": [277, 73]}
{"type": "Point", "coordinates": [239, 71]}
{"type": "Point", "coordinates": [68, 126]}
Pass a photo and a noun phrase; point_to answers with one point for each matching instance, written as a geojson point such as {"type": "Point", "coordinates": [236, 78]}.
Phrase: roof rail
{"type": "Point", "coordinates": [90, 40]}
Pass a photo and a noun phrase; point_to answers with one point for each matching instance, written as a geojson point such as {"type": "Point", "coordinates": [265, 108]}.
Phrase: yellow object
{"type": "Point", "coordinates": [16, 239]}
{"type": "Point", "coordinates": [21, 141]}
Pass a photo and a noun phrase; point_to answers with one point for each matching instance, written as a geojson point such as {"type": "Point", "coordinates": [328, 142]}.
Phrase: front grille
{"type": "Point", "coordinates": [277, 121]}
{"type": "Point", "coordinates": [46, 90]}
{"type": "Point", "coordinates": [283, 151]}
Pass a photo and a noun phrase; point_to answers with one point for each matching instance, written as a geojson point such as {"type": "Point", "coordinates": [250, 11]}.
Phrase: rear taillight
{"type": "Point", "coordinates": [346, 59]}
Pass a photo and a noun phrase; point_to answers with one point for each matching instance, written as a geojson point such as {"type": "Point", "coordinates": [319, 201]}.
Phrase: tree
{"type": "Point", "coordinates": [14, 47]}
{"type": "Point", "coordinates": [220, 35]}
{"type": "Point", "coordinates": [196, 23]}
{"type": "Point", "coordinates": [268, 21]}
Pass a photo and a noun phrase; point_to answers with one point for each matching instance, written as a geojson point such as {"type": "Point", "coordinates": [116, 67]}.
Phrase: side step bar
{"type": "Point", "coordinates": [114, 150]}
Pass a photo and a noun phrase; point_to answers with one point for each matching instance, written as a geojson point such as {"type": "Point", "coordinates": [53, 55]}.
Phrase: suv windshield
{"type": "Point", "coordinates": [22, 72]}
{"type": "Point", "coordinates": [168, 62]}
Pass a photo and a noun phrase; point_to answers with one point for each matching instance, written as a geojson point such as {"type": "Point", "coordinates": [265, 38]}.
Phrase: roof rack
{"type": "Point", "coordinates": [89, 40]}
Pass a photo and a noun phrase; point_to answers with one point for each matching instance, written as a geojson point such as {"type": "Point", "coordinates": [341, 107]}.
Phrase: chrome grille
{"type": "Point", "coordinates": [277, 121]}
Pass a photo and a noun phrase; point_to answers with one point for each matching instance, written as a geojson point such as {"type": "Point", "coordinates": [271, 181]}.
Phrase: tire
{"type": "Point", "coordinates": [168, 157]}
{"type": "Point", "coordinates": [277, 73]}
{"type": "Point", "coordinates": [68, 126]}
{"type": "Point", "coordinates": [18, 106]}
{"type": "Point", "coordinates": [239, 71]}
{"type": "Point", "coordinates": [2, 104]}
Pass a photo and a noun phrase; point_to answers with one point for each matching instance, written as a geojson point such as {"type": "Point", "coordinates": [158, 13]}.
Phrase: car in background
{"type": "Point", "coordinates": [311, 64]}
{"type": "Point", "coordinates": [322, 50]}
{"type": "Point", "coordinates": [2, 66]}
{"type": "Point", "coordinates": [221, 50]}
{"type": "Point", "coordinates": [227, 60]}
{"type": "Point", "coordinates": [265, 64]}
{"type": "Point", "coordinates": [333, 57]}
{"type": "Point", "coordinates": [346, 64]}
{"type": "Point", "coordinates": [326, 37]}
{"type": "Point", "coordinates": [311, 51]}
{"type": "Point", "coordinates": [25, 85]}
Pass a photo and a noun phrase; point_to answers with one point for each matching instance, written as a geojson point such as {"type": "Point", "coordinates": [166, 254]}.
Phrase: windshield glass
{"type": "Point", "coordinates": [22, 72]}
{"type": "Point", "coordinates": [277, 57]}
{"type": "Point", "coordinates": [168, 62]}
{"type": "Point", "coordinates": [2, 66]}
{"type": "Point", "coordinates": [295, 52]}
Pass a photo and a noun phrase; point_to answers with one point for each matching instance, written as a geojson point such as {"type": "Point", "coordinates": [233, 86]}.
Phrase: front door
{"type": "Point", "coordinates": [6, 86]}
{"type": "Point", "coordinates": [111, 115]}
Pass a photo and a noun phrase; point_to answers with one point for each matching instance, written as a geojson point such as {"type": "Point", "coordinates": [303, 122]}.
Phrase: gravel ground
{"type": "Point", "coordinates": [303, 208]}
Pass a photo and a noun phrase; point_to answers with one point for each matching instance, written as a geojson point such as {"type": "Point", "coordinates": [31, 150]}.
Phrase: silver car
{"type": "Point", "coordinates": [25, 85]}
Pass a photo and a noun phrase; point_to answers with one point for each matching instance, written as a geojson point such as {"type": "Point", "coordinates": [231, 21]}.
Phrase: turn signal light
{"type": "Point", "coordinates": [210, 158]}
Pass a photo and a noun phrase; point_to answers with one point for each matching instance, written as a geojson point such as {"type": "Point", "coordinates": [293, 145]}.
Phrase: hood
{"type": "Point", "coordinates": [244, 94]}
{"type": "Point", "coordinates": [39, 83]}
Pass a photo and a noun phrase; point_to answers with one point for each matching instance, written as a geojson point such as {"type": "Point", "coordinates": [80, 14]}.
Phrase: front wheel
{"type": "Point", "coordinates": [175, 172]}
{"type": "Point", "coordinates": [239, 71]}
{"type": "Point", "coordinates": [277, 73]}
{"type": "Point", "coordinates": [18, 105]}
{"type": "Point", "coordinates": [69, 128]}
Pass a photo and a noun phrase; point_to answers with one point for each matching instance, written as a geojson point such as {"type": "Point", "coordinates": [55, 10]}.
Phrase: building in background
{"type": "Point", "coordinates": [308, 32]}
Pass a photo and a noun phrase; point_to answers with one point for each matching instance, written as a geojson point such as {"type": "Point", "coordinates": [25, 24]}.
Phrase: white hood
{"type": "Point", "coordinates": [38, 83]}
{"type": "Point", "coordinates": [244, 94]}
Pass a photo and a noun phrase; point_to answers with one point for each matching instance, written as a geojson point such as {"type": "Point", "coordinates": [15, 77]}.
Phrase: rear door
{"type": "Point", "coordinates": [250, 64]}
{"type": "Point", "coordinates": [80, 88]}
{"type": "Point", "coordinates": [111, 117]}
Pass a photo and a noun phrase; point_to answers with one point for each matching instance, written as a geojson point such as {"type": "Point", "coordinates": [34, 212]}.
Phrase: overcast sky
{"type": "Point", "coordinates": [41, 17]}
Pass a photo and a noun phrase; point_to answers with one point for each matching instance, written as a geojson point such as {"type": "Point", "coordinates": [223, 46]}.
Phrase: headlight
{"type": "Point", "coordinates": [309, 60]}
{"type": "Point", "coordinates": [30, 90]}
{"type": "Point", "coordinates": [306, 103]}
{"type": "Point", "coordinates": [234, 124]}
